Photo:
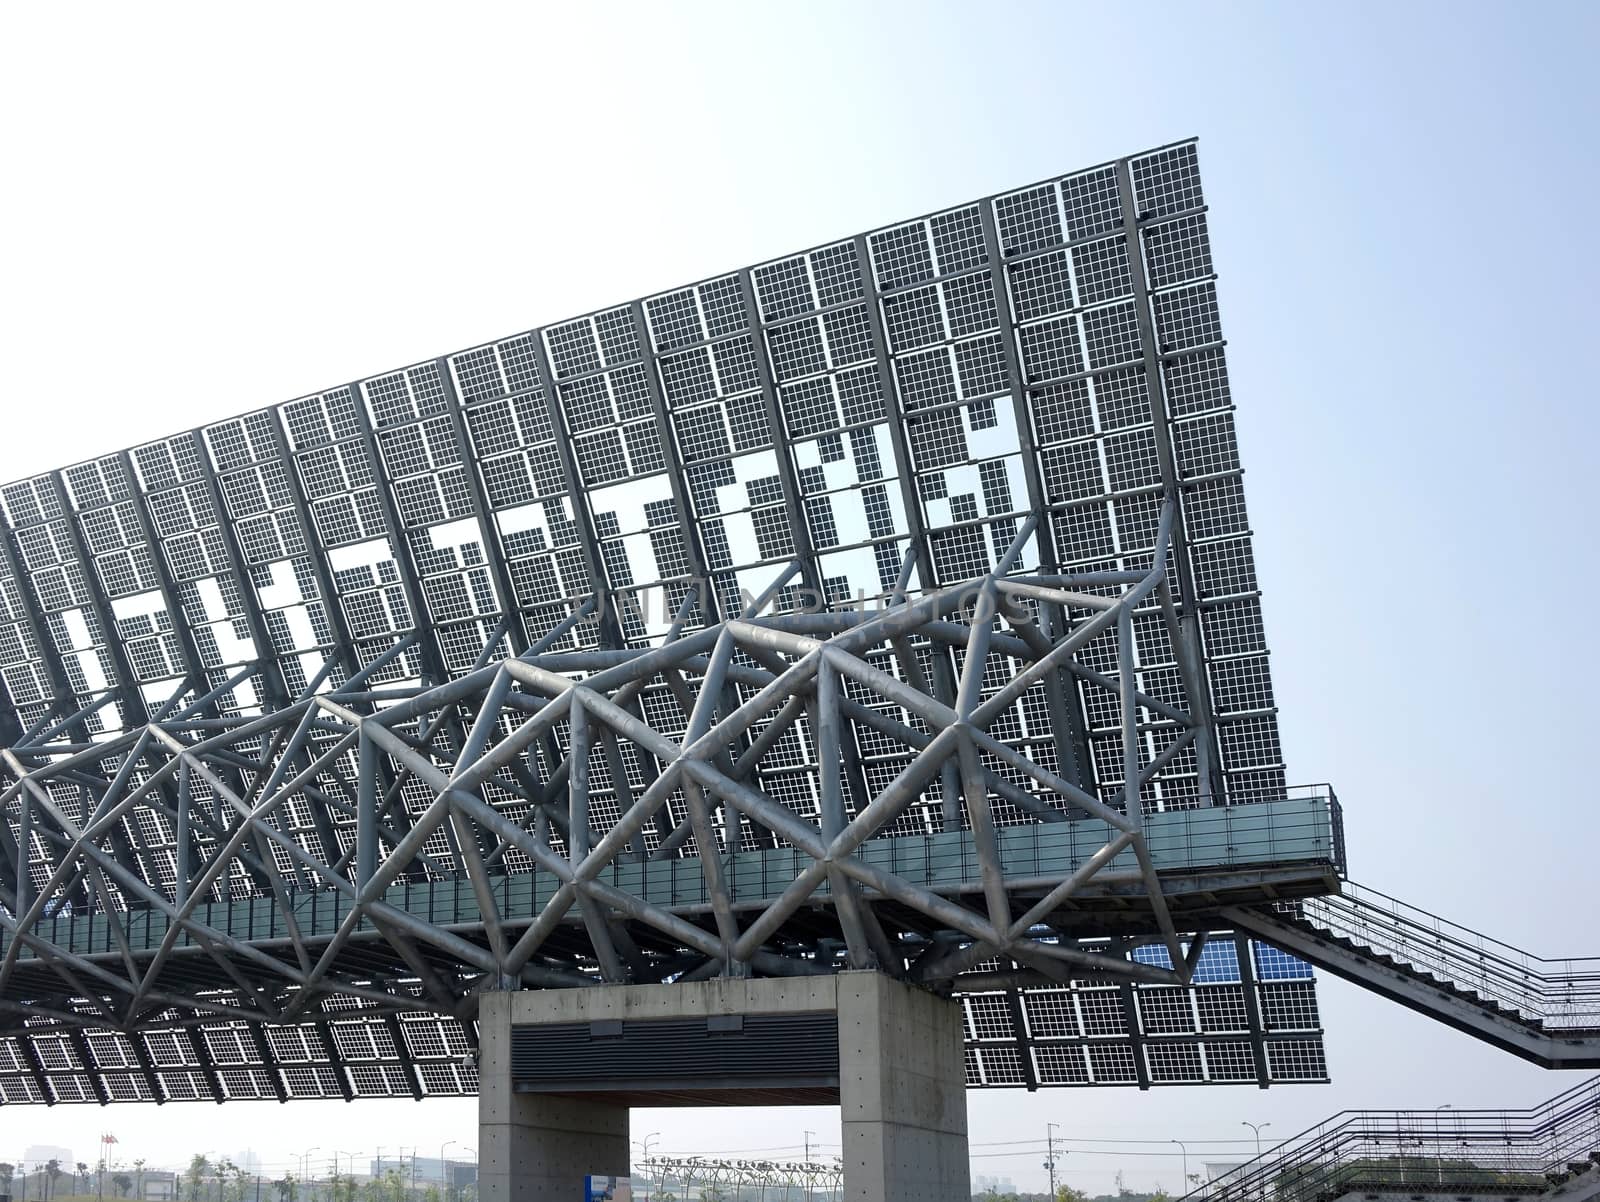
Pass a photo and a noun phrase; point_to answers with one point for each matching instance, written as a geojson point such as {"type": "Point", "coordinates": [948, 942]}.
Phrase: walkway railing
{"type": "Point", "coordinates": [1424, 1151]}
{"type": "Point", "coordinates": [1558, 995]}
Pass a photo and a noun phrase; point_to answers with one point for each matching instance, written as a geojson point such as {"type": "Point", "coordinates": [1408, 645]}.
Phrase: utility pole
{"type": "Point", "coordinates": [1438, 1152]}
{"type": "Point", "coordinates": [1050, 1156]}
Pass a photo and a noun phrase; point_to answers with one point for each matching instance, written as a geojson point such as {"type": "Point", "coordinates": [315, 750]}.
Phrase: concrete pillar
{"type": "Point", "coordinates": [902, 1093]}
{"type": "Point", "coordinates": [901, 1083]}
{"type": "Point", "coordinates": [533, 1147]}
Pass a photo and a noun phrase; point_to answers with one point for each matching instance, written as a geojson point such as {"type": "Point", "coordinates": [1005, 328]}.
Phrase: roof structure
{"type": "Point", "coordinates": [973, 471]}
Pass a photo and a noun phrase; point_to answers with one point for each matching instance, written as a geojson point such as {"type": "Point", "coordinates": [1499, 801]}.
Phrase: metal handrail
{"type": "Point", "coordinates": [1558, 994]}
{"type": "Point", "coordinates": [1425, 1151]}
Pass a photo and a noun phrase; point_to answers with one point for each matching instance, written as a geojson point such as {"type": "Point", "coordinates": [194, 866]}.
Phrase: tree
{"type": "Point", "coordinates": [1160, 1195]}
{"type": "Point", "coordinates": [52, 1170]}
{"type": "Point", "coordinates": [1065, 1193]}
{"type": "Point", "coordinates": [123, 1182]}
{"type": "Point", "coordinates": [230, 1181]}
{"type": "Point", "coordinates": [285, 1186]}
{"type": "Point", "coordinates": [83, 1175]}
{"type": "Point", "coordinates": [7, 1172]}
{"type": "Point", "coordinates": [199, 1166]}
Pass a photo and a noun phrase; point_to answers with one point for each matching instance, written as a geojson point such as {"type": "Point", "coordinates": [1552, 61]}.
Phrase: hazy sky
{"type": "Point", "coordinates": [212, 207]}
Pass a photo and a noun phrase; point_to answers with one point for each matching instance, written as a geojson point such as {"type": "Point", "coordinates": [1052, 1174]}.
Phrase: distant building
{"type": "Point", "coordinates": [159, 1186]}
{"type": "Point", "coordinates": [428, 1170]}
{"type": "Point", "coordinates": [1000, 1185]}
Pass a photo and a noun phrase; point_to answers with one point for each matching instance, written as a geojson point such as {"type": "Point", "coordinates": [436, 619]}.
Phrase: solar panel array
{"type": "Point", "coordinates": [884, 409]}
{"type": "Point", "coordinates": [1258, 1027]}
{"type": "Point", "coordinates": [920, 388]}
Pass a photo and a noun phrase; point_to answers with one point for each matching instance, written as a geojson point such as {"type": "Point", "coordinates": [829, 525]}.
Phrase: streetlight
{"type": "Point", "coordinates": [1257, 1129]}
{"type": "Point", "coordinates": [1185, 1188]}
{"type": "Point", "coordinates": [808, 1135]}
{"type": "Point", "coordinates": [1438, 1159]}
{"type": "Point", "coordinates": [644, 1144]}
{"type": "Point", "coordinates": [305, 1158]}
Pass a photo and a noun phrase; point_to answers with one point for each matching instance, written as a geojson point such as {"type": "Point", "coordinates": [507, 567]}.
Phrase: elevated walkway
{"type": "Point", "coordinates": [1206, 858]}
{"type": "Point", "coordinates": [1551, 1150]}
{"type": "Point", "coordinates": [1546, 1011]}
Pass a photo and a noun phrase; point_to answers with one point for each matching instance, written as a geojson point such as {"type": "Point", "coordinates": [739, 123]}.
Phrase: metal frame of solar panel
{"type": "Point", "coordinates": [883, 411]}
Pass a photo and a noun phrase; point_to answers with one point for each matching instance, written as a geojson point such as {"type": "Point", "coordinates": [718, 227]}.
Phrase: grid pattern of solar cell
{"type": "Point", "coordinates": [916, 389]}
{"type": "Point", "coordinates": [1218, 1030]}
{"type": "Point", "coordinates": [1226, 1027]}
{"type": "Point", "coordinates": [884, 410]}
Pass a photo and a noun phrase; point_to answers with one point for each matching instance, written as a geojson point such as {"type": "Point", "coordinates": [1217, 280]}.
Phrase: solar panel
{"type": "Point", "coordinates": [888, 412]}
{"type": "Point", "coordinates": [919, 388]}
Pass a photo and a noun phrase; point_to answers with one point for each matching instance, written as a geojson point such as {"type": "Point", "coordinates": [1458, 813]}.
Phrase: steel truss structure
{"type": "Point", "coordinates": [398, 692]}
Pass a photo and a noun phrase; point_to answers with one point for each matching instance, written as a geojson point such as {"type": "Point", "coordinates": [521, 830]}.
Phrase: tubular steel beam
{"type": "Point", "coordinates": [1160, 417]}
{"type": "Point", "coordinates": [494, 552]}
{"type": "Point", "coordinates": [432, 651]}
{"type": "Point", "coordinates": [1067, 721]}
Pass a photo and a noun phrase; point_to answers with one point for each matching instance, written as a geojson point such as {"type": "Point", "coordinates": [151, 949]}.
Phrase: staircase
{"type": "Point", "coordinates": [1546, 1011]}
{"type": "Point", "coordinates": [1550, 1151]}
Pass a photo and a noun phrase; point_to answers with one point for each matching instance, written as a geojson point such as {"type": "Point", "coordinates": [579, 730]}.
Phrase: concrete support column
{"type": "Point", "coordinates": [533, 1147]}
{"type": "Point", "coordinates": [902, 1093]}
{"type": "Point", "coordinates": [890, 1054]}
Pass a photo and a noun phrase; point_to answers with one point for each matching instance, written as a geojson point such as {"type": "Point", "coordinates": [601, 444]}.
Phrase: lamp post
{"type": "Point", "coordinates": [1438, 1158]}
{"type": "Point", "coordinates": [1257, 1129]}
{"type": "Point", "coordinates": [1185, 1150]}
{"type": "Point", "coordinates": [305, 1160]}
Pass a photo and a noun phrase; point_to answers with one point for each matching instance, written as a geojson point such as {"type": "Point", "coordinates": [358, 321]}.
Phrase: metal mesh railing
{"type": "Point", "coordinates": [1561, 995]}
{"type": "Point", "coordinates": [1425, 1151]}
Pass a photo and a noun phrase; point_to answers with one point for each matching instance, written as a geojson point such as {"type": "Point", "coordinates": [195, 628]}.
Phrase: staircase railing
{"type": "Point", "coordinates": [1557, 994]}
{"type": "Point", "coordinates": [1424, 1152]}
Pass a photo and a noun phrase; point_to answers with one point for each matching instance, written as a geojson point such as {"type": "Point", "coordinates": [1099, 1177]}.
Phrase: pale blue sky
{"type": "Point", "coordinates": [210, 209]}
